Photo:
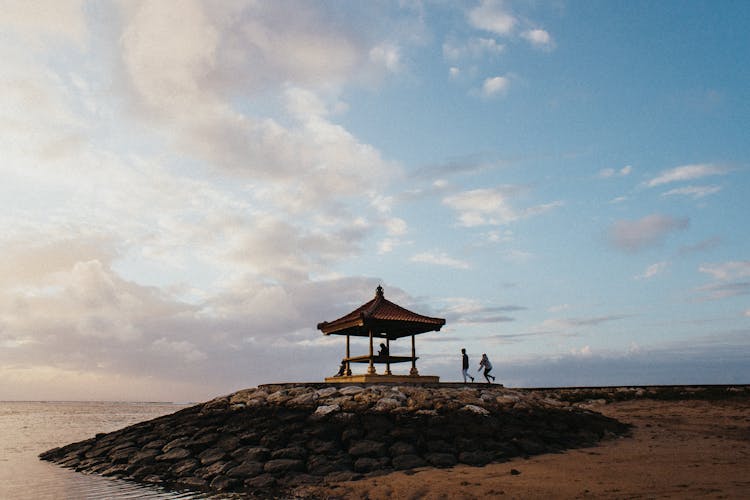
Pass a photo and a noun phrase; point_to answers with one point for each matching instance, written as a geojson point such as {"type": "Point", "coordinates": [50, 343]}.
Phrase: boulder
{"type": "Point", "coordinates": [408, 462]}
{"type": "Point", "coordinates": [367, 448]}
{"type": "Point", "coordinates": [284, 465]}
{"type": "Point", "coordinates": [173, 455]}
{"type": "Point", "coordinates": [211, 455]}
{"type": "Point", "coordinates": [245, 470]}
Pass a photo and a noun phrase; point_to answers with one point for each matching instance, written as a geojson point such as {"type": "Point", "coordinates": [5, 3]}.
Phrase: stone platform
{"type": "Point", "coordinates": [384, 379]}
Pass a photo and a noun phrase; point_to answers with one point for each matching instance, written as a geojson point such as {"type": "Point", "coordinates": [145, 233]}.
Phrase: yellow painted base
{"type": "Point", "coordinates": [389, 379]}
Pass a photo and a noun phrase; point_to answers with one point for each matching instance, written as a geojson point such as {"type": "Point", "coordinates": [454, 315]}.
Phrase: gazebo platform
{"type": "Point", "coordinates": [385, 379]}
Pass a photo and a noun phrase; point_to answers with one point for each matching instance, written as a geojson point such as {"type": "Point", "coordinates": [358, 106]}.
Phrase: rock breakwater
{"type": "Point", "coordinates": [276, 439]}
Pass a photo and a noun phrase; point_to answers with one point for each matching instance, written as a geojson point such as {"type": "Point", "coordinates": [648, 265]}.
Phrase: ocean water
{"type": "Point", "coordinates": [29, 428]}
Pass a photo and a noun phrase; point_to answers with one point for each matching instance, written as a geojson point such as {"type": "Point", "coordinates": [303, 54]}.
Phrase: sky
{"type": "Point", "coordinates": [190, 187]}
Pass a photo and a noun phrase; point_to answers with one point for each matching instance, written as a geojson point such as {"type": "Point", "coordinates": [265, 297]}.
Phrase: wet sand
{"type": "Point", "coordinates": [678, 449]}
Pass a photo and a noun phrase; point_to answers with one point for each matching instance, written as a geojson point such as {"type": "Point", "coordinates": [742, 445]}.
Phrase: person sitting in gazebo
{"type": "Point", "coordinates": [383, 350]}
{"type": "Point", "coordinates": [342, 369]}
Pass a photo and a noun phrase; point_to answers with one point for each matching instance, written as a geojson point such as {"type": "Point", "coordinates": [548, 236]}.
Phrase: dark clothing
{"type": "Point", "coordinates": [465, 365]}
{"type": "Point", "coordinates": [383, 351]}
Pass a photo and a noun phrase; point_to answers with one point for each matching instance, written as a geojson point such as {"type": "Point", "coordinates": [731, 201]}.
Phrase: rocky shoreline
{"type": "Point", "coordinates": [281, 439]}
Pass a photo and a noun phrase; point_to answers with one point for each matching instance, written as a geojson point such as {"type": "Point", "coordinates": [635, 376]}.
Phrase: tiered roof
{"type": "Point", "coordinates": [384, 318]}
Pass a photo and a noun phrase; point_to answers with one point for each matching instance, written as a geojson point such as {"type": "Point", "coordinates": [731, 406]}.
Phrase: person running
{"type": "Point", "coordinates": [465, 365]}
{"type": "Point", "coordinates": [485, 362]}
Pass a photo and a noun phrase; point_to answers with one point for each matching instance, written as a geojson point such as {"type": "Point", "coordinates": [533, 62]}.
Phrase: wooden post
{"type": "Point", "coordinates": [413, 370]}
{"type": "Point", "coordinates": [388, 358]}
{"type": "Point", "coordinates": [371, 368]}
{"type": "Point", "coordinates": [348, 365]}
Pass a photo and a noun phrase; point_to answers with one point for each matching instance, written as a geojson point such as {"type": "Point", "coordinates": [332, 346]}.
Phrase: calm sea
{"type": "Point", "coordinates": [29, 428]}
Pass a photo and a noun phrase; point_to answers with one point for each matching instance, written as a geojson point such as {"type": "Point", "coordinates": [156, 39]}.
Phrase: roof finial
{"type": "Point", "coordinates": [379, 291]}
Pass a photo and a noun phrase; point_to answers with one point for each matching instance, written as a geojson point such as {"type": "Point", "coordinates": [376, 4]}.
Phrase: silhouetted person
{"type": "Point", "coordinates": [342, 369]}
{"type": "Point", "coordinates": [383, 350]}
{"type": "Point", "coordinates": [465, 365]}
{"type": "Point", "coordinates": [485, 362]}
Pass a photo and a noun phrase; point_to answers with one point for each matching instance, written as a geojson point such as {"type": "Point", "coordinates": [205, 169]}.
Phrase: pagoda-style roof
{"type": "Point", "coordinates": [384, 318]}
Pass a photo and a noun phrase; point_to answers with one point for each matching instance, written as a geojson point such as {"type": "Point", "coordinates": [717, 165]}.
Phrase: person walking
{"type": "Point", "coordinates": [485, 363]}
{"type": "Point", "coordinates": [465, 365]}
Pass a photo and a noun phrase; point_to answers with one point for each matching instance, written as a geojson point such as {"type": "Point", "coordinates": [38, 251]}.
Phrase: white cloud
{"type": "Point", "coordinates": [653, 270]}
{"type": "Point", "coordinates": [36, 20]}
{"type": "Point", "coordinates": [386, 245]}
{"type": "Point", "coordinates": [686, 173]}
{"type": "Point", "coordinates": [558, 308]}
{"type": "Point", "coordinates": [730, 280]}
{"type": "Point", "coordinates": [493, 16]}
{"type": "Point", "coordinates": [440, 259]}
{"type": "Point", "coordinates": [538, 38]}
{"type": "Point", "coordinates": [747, 313]}
{"type": "Point", "coordinates": [606, 173]}
{"type": "Point", "coordinates": [583, 352]}
{"type": "Point", "coordinates": [387, 55]}
{"type": "Point", "coordinates": [693, 191]}
{"type": "Point", "coordinates": [186, 73]}
{"type": "Point", "coordinates": [491, 206]}
{"type": "Point", "coordinates": [186, 350]}
{"type": "Point", "coordinates": [635, 235]}
{"type": "Point", "coordinates": [396, 226]}
{"type": "Point", "coordinates": [454, 72]}
{"type": "Point", "coordinates": [726, 271]}
{"type": "Point", "coordinates": [474, 48]}
{"type": "Point", "coordinates": [574, 323]}
{"type": "Point", "coordinates": [496, 85]}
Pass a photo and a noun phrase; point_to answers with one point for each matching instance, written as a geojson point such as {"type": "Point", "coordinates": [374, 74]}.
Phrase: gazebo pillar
{"type": "Point", "coordinates": [348, 355]}
{"type": "Point", "coordinates": [388, 359]}
{"type": "Point", "coordinates": [371, 368]}
{"type": "Point", "coordinates": [413, 370]}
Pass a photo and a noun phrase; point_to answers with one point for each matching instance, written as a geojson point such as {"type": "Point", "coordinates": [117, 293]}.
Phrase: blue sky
{"type": "Point", "coordinates": [190, 187]}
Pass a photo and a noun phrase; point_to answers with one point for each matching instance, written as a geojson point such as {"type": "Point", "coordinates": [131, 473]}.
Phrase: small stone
{"type": "Point", "coordinates": [514, 472]}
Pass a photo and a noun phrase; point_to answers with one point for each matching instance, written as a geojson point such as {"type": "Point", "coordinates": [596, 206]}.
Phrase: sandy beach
{"type": "Point", "coordinates": [678, 449]}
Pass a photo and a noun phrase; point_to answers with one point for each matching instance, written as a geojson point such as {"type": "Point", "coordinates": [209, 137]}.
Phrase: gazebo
{"type": "Point", "coordinates": [382, 319]}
